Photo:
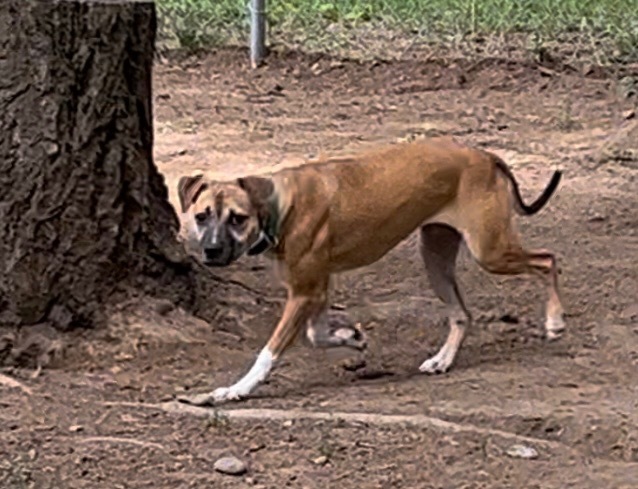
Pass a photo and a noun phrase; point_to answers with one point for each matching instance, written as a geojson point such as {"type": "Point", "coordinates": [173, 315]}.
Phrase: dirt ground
{"type": "Point", "coordinates": [98, 418]}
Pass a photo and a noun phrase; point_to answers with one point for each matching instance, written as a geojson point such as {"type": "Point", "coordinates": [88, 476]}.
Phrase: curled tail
{"type": "Point", "coordinates": [521, 207]}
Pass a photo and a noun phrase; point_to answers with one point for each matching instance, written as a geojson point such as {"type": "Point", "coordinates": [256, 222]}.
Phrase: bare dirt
{"type": "Point", "coordinates": [99, 416]}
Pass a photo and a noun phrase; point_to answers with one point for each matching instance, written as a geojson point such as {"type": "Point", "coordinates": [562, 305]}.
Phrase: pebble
{"type": "Point", "coordinates": [630, 312]}
{"type": "Point", "coordinates": [230, 466]}
{"type": "Point", "coordinates": [164, 308]}
{"type": "Point", "coordinates": [354, 364]}
{"type": "Point", "coordinates": [522, 451]}
{"type": "Point", "coordinates": [322, 460]}
{"type": "Point", "coordinates": [255, 447]}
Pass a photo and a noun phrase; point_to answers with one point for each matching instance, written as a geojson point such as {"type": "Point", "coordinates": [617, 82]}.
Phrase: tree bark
{"type": "Point", "coordinates": [83, 207]}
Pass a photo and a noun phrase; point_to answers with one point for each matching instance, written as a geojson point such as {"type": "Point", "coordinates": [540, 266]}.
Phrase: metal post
{"type": "Point", "coordinates": [257, 32]}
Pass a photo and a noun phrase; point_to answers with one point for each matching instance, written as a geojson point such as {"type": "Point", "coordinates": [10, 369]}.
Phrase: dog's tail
{"type": "Point", "coordinates": [521, 207]}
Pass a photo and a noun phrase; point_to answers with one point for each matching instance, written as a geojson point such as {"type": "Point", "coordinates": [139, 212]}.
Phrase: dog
{"type": "Point", "coordinates": [340, 213]}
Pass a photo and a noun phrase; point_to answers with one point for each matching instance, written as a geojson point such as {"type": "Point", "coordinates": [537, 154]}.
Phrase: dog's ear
{"type": "Point", "coordinates": [189, 188]}
{"type": "Point", "coordinates": [259, 189]}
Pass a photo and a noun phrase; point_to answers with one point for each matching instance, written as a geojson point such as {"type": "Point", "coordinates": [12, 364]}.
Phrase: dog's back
{"type": "Point", "coordinates": [391, 190]}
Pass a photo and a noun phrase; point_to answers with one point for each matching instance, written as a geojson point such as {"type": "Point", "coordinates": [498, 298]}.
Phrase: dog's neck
{"type": "Point", "coordinates": [269, 233]}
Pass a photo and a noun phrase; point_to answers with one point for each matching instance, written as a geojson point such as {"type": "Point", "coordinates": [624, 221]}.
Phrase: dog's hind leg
{"type": "Point", "coordinates": [492, 239]}
{"type": "Point", "coordinates": [439, 248]}
{"type": "Point", "coordinates": [504, 256]}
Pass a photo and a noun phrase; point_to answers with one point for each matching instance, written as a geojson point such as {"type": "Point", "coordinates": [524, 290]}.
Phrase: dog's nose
{"type": "Point", "coordinates": [213, 253]}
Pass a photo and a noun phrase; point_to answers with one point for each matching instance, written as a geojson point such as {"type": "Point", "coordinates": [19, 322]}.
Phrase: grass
{"type": "Point", "coordinates": [607, 29]}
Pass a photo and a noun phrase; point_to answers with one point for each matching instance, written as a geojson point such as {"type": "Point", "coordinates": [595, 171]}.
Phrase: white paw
{"type": "Point", "coordinates": [220, 395]}
{"type": "Point", "coordinates": [438, 364]}
{"type": "Point", "coordinates": [223, 394]}
{"type": "Point", "coordinates": [352, 337]}
{"type": "Point", "coordinates": [554, 327]}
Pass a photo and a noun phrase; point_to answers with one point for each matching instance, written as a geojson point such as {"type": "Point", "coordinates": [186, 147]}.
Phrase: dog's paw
{"type": "Point", "coordinates": [219, 395]}
{"type": "Point", "coordinates": [554, 328]}
{"type": "Point", "coordinates": [351, 337]}
{"type": "Point", "coordinates": [224, 394]}
{"type": "Point", "coordinates": [438, 364]}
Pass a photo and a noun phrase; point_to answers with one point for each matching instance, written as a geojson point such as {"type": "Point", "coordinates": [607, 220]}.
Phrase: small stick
{"type": "Point", "coordinates": [377, 419]}
{"type": "Point", "coordinates": [13, 383]}
{"type": "Point", "coordinates": [115, 439]}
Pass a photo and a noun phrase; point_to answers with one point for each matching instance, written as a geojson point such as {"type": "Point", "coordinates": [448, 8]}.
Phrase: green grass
{"type": "Point", "coordinates": [607, 29]}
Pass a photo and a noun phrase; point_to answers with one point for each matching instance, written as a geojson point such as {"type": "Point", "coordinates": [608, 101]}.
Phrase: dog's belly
{"type": "Point", "coordinates": [367, 243]}
{"type": "Point", "coordinates": [362, 256]}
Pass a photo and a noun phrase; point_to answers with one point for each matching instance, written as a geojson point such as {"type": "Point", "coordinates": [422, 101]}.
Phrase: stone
{"type": "Point", "coordinates": [230, 466]}
{"type": "Point", "coordinates": [322, 460]}
{"type": "Point", "coordinates": [522, 451]}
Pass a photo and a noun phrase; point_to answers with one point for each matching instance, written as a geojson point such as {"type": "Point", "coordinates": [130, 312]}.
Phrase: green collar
{"type": "Point", "coordinates": [268, 236]}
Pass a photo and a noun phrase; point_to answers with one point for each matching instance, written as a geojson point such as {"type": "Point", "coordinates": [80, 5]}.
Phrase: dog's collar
{"type": "Point", "coordinates": [263, 244]}
{"type": "Point", "coordinates": [267, 239]}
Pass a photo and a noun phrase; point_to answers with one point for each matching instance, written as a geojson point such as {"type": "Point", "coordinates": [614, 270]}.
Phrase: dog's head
{"type": "Point", "coordinates": [223, 220]}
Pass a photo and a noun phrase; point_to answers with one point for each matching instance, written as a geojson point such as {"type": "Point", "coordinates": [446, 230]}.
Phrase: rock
{"type": "Point", "coordinates": [627, 86]}
{"type": "Point", "coordinates": [371, 373]}
{"type": "Point", "coordinates": [255, 447]}
{"type": "Point", "coordinates": [630, 312]}
{"type": "Point", "coordinates": [352, 365]}
{"type": "Point", "coordinates": [76, 428]}
{"type": "Point", "coordinates": [322, 460]}
{"type": "Point", "coordinates": [230, 466]}
{"type": "Point", "coordinates": [621, 147]}
{"type": "Point", "coordinates": [164, 308]}
{"type": "Point", "coordinates": [51, 148]}
{"type": "Point", "coordinates": [522, 451]}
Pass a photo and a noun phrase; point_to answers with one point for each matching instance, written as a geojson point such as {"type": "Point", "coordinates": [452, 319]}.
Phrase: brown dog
{"type": "Point", "coordinates": [338, 214]}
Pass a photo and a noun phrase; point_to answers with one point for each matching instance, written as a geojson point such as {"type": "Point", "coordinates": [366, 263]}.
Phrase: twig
{"type": "Point", "coordinates": [115, 439]}
{"type": "Point", "coordinates": [132, 404]}
{"type": "Point", "coordinates": [13, 383]}
{"type": "Point", "coordinates": [378, 419]}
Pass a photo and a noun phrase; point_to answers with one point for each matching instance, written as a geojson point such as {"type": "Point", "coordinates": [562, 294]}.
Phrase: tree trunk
{"type": "Point", "coordinates": [82, 205]}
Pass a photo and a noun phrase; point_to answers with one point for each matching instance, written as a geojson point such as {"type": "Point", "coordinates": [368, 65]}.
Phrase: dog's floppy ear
{"type": "Point", "coordinates": [189, 188]}
{"type": "Point", "coordinates": [259, 189]}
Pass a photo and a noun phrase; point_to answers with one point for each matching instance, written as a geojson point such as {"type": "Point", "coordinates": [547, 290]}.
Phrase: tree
{"type": "Point", "coordinates": [83, 207]}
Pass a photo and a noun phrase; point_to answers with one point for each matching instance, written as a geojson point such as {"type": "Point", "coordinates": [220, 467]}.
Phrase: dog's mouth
{"type": "Point", "coordinates": [219, 260]}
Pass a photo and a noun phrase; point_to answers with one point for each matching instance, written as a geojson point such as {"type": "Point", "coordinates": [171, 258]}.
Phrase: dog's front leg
{"type": "Point", "coordinates": [298, 310]}
{"type": "Point", "coordinates": [335, 330]}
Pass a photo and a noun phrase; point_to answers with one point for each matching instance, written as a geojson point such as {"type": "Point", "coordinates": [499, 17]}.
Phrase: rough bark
{"type": "Point", "coordinates": [82, 205]}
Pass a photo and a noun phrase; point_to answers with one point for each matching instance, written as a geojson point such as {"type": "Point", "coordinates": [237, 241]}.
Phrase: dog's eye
{"type": "Point", "coordinates": [237, 219]}
{"type": "Point", "coordinates": [201, 217]}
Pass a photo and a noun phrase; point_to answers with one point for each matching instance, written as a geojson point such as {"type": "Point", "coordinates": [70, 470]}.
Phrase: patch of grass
{"type": "Point", "coordinates": [217, 421]}
{"type": "Point", "coordinates": [606, 28]}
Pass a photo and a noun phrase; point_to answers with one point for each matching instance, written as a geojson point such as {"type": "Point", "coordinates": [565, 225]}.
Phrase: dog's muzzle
{"type": "Point", "coordinates": [213, 254]}
{"type": "Point", "coordinates": [216, 250]}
